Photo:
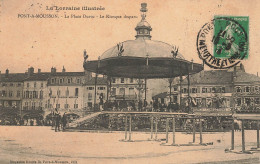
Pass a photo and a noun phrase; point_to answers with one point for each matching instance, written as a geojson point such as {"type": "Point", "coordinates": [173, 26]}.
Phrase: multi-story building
{"type": "Point", "coordinates": [66, 90]}
{"type": "Point", "coordinates": [11, 89]}
{"type": "Point", "coordinates": [90, 98]}
{"type": "Point", "coordinates": [127, 89]}
{"type": "Point", "coordinates": [35, 92]}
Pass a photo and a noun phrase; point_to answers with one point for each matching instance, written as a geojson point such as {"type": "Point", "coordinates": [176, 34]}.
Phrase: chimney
{"type": "Point", "coordinates": [30, 71]}
{"type": "Point", "coordinates": [6, 72]}
{"type": "Point", "coordinates": [257, 74]}
{"type": "Point", "coordinates": [63, 69]}
{"type": "Point", "coordinates": [39, 70]}
{"type": "Point", "coordinates": [53, 70]}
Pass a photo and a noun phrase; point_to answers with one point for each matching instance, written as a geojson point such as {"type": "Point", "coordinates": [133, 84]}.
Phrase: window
{"type": "Point", "coordinates": [113, 91]}
{"type": "Point", "coordinates": [69, 81]}
{"type": "Point", "coordinates": [101, 88]}
{"type": "Point", "coordinates": [18, 94]}
{"type": "Point", "coordinates": [184, 90]}
{"type": "Point", "coordinates": [33, 105]}
{"type": "Point", "coordinates": [89, 96]}
{"type": "Point", "coordinates": [209, 102]}
{"type": "Point", "coordinates": [41, 85]}
{"type": "Point", "coordinates": [30, 94]}
{"type": "Point", "coordinates": [50, 92]}
{"type": "Point", "coordinates": [113, 80]}
{"type": "Point", "coordinates": [213, 90]}
{"type": "Point", "coordinates": [40, 105]}
{"type": "Point", "coordinates": [257, 101]}
{"type": "Point", "coordinates": [27, 94]}
{"type": "Point", "coordinates": [66, 106]}
{"type": "Point", "coordinates": [131, 80]}
{"type": "Point", "coordinates": [204, 90]}
{"type": "Point", "coordinates": [90, 88]}
{"type": "Point", "coordinates": [3, 84]}
{"type": "Point", "coordinates": [131, 91]}
{"type": "Point", "coordinates": [256, 89]}
{"type": "Point", "coordinates": [67, 92]}
{"type": "Point", "coordinates": [122, 80]}
{"type": "Point", "coordinates": [175, 89]}
{"type": "Point", "coordinates": [34, 85]}
{"type": "Point", "coordinates": [122, 91]}
{"type": "Point", "coordinates": [52, 81]}
{"type": "Point", "coordinates": [34, 94]}
{"type": "Point", "coordinates": [4, 93]}
{"type": "Point", "coordinates": [61, 81]}
{"type": "Point", "coordinates": [10, 93]}
{"type": "Point", "coordinates": [247, 89]}
{"type": "Point", "coordinates": [76, 106]}
{"type": "Point", "coordinates": [58, 92]}
{"type": "Point", "coordinates": [194, 90]}
{"type": "Point", "coordinates": [57, 106]}
{"type": "Point", "coordinates": [28, 85]}
{"type": "Point", "coordinates": [11, 84]}
{"type": "Point", "coordinates": [19, 84]}
{"type": "Point", "coordinates": [41, 94]}
{"type": "Point", "coordinates": [78, 81]}
{"type": "Point", "coordinates": [223, 90]}
{"type": "Point", "coordinates": [238, 102]}
{"type": "Point", "coordinates": [238, 89]}
{"type": "Point", "coordinates": [76, 92]}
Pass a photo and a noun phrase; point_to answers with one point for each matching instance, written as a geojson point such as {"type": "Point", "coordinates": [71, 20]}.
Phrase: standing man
{"type": "Point", "coordinates": [57, 122]}
{"type": "Point", "coordinates": [64, 121]}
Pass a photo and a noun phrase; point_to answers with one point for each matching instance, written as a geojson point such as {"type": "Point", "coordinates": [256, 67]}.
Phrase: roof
{"type": "Point", "coordinates": [68, 74]}
{"type": "Point", "coordinates": [210, 77]}
{"type": "Point", "coordinates": [141, 48]}
{"type": "Point", "coordinates": [160, 95]}
{"type": "Point", "coordinates": [221, 77]}
{"type": "Point", "coordinates": [38, 77]}
{"type": "Point", "coordinates": [13, 77]}
{"type": "Point", "coordinates": [20, 77]}
{"type": "Point", "coordinates": [244, 77]}
{"type": "Point", "coordinates": [100, 81]}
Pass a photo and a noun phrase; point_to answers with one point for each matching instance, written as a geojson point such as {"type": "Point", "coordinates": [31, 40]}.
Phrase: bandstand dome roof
{"type": "Point", "coordinates": [142, 48]}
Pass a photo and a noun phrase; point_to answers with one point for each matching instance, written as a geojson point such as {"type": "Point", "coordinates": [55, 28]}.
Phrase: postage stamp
{"type": "Point", "coordinates": [223, 42]}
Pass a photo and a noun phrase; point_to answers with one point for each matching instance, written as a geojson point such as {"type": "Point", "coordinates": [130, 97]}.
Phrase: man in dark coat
{"type": "Point", "coordinates": [64, 121]}
{"type": "Point", "coordinates": [57, 120]}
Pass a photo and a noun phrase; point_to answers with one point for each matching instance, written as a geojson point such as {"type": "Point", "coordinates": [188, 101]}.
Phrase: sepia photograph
{"type": "Point", "coordinates": [123, 81]}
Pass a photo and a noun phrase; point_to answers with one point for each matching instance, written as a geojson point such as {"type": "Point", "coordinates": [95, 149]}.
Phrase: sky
{"type": "Point", "coordinates": [56, 42]}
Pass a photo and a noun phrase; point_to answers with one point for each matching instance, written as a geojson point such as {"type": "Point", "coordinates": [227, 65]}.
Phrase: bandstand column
{"type": "Point", "coordinates": [130, 127]}
{"type": "Point", "coordinates": [258, 137]}
{"type": "Point", "coordinates": [167, 129]}
{"type": "Point", "coordinates": [156, 126]}
{"type": "Point", "coordinates": [200, 131]}
{"type": "Point", "coordinates": [95, 94]}
{"type": "Point", "coordinates": [173, 131]}
{"type": "Point", "coordinates": [152, 127]}
{"type": "Point", "coordinates": [232, 135]}
{"type": "Point", "coordinates": [243, 137]}
{"type": "Point", "coordinates": [194, 129]}
{"type": "Point", "coordinates": [126, 127]}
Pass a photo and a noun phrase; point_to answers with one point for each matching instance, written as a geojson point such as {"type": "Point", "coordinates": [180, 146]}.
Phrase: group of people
{"type": "Point", "coordinates": [58, 121]}
{"type": "Point", "coordinates": [155, 106]}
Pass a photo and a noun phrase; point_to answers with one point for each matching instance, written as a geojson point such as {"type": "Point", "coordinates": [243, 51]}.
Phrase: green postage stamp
{"type": "Point", "coordinates": [231, 36]}
{"type": "Point", "coordinates": [223, 42]}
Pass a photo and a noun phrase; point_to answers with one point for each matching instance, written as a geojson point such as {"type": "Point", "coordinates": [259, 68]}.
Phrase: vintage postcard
{"type": "Point", "coordinates": [123, 81]}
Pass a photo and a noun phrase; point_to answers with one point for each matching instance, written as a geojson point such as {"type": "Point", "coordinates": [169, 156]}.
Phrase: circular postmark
{"type": "Point", "coordinates": [223, 42]}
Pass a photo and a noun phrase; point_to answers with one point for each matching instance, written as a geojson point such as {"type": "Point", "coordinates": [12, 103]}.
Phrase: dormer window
{"type": "Point", "coordinates": [247, 89]}
{"type": "Point", "coordinates": [238, 89]}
